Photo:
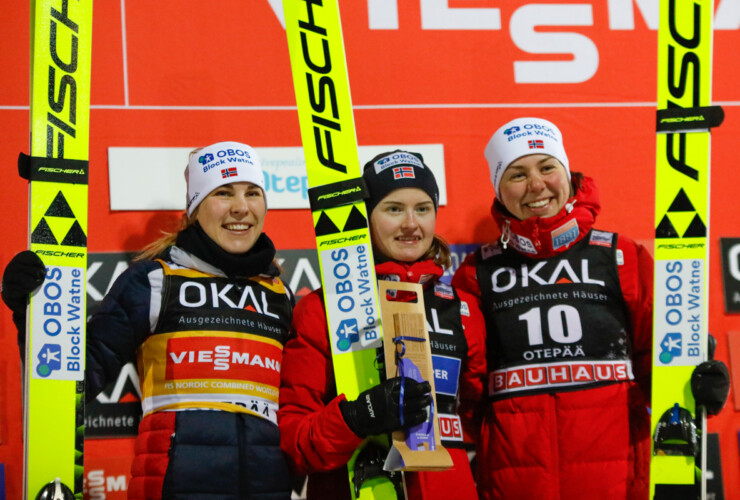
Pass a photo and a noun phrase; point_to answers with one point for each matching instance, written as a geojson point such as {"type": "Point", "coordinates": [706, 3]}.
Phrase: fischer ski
{"type": "Point", "coordinates": [57, 172]}
{"type": "Point", "coordinates": [680, 338]}
{"type": "Point", "coordinates": [337, 193]}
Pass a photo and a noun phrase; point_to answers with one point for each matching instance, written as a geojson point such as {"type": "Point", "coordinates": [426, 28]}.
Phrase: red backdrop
{"type": "Point", "coordinates": [181, 73]}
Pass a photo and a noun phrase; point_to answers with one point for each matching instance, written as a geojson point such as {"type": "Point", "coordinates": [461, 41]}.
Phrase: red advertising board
{"type": "Point", "coordinates": [187, 73]}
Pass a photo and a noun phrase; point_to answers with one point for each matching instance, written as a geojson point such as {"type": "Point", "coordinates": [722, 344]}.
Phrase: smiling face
{"type": "Point", "coordinates": [534, 186]}
{"type": "Point", "coordinates": [232, 215]}
{"type": "Point", "coordinates": [402, 225]}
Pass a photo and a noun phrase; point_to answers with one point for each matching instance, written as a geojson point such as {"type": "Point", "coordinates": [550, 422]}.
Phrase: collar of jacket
{"type": "Point", "coordinates": [580, 210]}
{"type": "Point", "coordinates": [422, 271]}
{"type": "Point", "coordinates": [257, 260]}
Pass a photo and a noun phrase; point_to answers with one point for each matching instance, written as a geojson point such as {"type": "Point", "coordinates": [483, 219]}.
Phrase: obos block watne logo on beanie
{"type": "Point", "coordinates": [395, 170]}
{"type": "Point", "coordinates": [522, 137]}
{"type": "Point", "coordinates": [219, 164]}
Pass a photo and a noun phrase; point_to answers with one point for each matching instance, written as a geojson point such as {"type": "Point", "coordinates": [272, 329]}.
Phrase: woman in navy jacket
{"type": "Point", "coordinates": [205, 316]}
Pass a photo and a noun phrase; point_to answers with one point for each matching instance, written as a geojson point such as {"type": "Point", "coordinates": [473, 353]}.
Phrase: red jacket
{"type": "Point", "coordinates": [568, 443]}
{"type": "Point", "coordinates": [314, 434]}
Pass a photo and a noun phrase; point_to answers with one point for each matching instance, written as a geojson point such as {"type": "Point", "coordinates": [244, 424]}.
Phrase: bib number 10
{"type": "Point", "coordinates": [563, 324]}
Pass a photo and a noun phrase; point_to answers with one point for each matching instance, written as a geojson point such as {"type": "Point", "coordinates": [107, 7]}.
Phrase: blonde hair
{"type": "Point", "coordinates": [166, 240]}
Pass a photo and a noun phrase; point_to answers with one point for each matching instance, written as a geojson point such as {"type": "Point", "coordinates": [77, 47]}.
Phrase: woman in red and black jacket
{"type": "Point", "coordinates": [320, 429]}
{"type": "Point", "coordinates": [568, 311]}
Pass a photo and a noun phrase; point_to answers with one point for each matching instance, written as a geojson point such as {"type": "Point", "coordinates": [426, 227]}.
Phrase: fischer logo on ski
{"type": "Point", "coordinates": [57, 171]}
{"type": "Point", "coordinates": [324, 68]}
{"type": "Point", "coordinates": [340, 218]}
{"type": "Point", "coordinates": [680, 336]}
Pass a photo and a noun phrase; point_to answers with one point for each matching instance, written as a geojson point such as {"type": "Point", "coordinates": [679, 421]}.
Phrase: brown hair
{"type": "Point", "coordinates": [439, 251]}
{"type": "Point", "coordinates": [576, 180]}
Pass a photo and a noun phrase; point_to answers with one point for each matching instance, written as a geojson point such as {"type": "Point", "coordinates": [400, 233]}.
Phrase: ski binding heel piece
{"type": "Point", "coordinates": [369, 464]}
{"type": "Point", "coordinates": [676, 433]}
{"type": "Point", "coordinates": [55, 490]}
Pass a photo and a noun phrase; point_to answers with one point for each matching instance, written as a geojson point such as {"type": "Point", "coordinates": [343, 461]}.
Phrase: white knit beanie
{"type": "Point", "coordinates": [522, 137]}
{"type": "Point", "coordinates": [219, 164]}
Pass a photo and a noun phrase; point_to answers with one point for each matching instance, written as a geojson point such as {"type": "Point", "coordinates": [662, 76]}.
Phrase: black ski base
{"type": "Point", "coordinates": [677, 492]}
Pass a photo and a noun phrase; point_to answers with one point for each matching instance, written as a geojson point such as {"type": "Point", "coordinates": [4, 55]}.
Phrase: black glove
{"type": "Point", "coordinates": [710, 385]}
{"type": "Point", "coordinates": [376, 410]}
{"type": "Point", "coordinates": [711, 346]}
{"type": "Point", "coordinates": [24, 273]}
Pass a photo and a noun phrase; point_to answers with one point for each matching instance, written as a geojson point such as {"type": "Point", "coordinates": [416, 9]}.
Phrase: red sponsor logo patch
{"type": "Point", "coordinates": [583, 373]}
{"type": "Point", "coordinates": [536, 376]}
{"type": "Point", "coordinates": [450, 427]}
{"type": "Point", "coordinates": [559, 374]}
{"type": "Point", "coordinates": [621, 371]}
{"type": "Point", "coordinates": [572, 373]}
{"type": "Point", "coordinates": [223, 358]}
{"type": "Point", "coordinates": [514, 379]}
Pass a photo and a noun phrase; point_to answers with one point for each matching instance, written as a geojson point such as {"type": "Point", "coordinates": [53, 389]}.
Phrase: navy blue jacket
{"type": "Point", "coordinates": [223, 450]}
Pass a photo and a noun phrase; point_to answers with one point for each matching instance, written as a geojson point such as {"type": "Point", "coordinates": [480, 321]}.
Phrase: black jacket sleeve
{"type": "Point", "coordinates": [116, 331]}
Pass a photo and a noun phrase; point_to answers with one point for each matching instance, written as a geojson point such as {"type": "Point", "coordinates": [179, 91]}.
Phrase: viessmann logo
{"type": "Point", "coordinates": [232, 358]}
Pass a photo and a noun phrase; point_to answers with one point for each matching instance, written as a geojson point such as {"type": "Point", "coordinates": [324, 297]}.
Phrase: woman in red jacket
{"type": "Point", "coordinates": [568, 312]}
{"type": "Point", "coordinates": [321, 429]}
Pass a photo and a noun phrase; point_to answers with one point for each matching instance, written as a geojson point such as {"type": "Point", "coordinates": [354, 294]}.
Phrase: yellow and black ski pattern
{"type": "Point", "coordinates": [681, 236]}
{"type": "Point", "coordinates": [57, 170]}
{"type": "Point", "coordinates": [318, 62]}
